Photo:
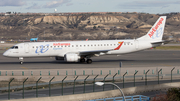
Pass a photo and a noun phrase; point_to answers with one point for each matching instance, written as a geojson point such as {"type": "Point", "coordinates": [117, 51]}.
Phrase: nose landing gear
{"type": "Point", "coordinates": [21, 60]}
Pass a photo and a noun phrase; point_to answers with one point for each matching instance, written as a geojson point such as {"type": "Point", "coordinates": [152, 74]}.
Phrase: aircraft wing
{"type": "Point", "coordinates": [91, 53]}
{"type": "Point", "coordinates": [86, 53]}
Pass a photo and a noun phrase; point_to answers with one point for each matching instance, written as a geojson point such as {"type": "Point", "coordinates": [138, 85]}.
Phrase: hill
{"type": "Point", "coordinates": [83, 26]}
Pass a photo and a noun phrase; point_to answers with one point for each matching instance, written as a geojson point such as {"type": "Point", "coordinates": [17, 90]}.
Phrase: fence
{"type": "Point", "coordinates": [65, 72]}
{"type": "Point", "coordinates": [128, 98]}
{"type": "Point", "coordinates": [90, 79]}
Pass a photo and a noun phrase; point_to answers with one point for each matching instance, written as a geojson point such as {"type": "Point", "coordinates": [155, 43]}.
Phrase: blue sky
{"type": "Point", "coordinates": [48, 6]}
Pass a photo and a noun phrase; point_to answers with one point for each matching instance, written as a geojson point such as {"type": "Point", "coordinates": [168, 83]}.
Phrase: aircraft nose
{"type": "Point", "coordinates": [5, 53]}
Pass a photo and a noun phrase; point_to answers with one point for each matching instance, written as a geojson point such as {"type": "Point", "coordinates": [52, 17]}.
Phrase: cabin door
{"type": "Point", "coordinates": [26, 47]}
{"type": "Point", "coordinates": [136, 44]}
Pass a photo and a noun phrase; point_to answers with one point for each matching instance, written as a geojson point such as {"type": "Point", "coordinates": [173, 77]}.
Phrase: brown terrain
{"type": "Point", "coordinates": [83, 26]}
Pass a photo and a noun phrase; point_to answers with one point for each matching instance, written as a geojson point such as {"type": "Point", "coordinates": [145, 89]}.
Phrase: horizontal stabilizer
{"type": "Point", "coordinates": [161, 42]}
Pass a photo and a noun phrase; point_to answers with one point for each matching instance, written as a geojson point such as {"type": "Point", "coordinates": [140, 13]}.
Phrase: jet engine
{"type": "Point", "coordinates": [71, 57]}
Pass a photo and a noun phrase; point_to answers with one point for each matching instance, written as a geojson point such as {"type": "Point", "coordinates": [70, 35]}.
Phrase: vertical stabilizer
{"type": "Point", "coordinates": [156, 32]}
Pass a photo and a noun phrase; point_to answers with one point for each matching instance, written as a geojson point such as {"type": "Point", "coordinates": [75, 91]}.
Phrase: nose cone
{"type": "Point", "coordinates": [5, 53]}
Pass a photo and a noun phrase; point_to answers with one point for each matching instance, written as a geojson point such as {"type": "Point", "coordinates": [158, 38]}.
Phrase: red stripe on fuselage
{"type": "Point", "coordinates": [117, 48]}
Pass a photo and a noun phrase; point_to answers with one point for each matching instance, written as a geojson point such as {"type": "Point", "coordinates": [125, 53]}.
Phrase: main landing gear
{"type": "Point", "coordinates": [21, 60]}
{"type": "Point", "coordinates": [89, 61]}
{"type": "Point", "coordinates": [82, 60]}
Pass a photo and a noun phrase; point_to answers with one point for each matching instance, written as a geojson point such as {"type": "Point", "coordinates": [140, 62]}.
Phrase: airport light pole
{"type": "Point", "coordinates": [102, 83]}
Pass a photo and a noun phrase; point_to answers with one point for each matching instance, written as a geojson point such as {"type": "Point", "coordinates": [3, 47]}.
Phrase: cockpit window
{"type": "Point", "coordinates": [14, 47]}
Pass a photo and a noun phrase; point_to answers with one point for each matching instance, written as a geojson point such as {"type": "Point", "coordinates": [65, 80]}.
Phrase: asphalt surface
{"type": "Point", "coordinates": [142, 59]}
{"type": "Point", "coordinates": [147, 58]}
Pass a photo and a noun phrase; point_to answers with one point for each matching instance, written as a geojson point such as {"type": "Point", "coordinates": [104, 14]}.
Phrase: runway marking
{"type": "Point", "coordinates": [24, 67]}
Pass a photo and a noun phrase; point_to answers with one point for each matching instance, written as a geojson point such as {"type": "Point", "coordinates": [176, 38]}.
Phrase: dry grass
{"type": "Point", "coordinates": [168, 47]}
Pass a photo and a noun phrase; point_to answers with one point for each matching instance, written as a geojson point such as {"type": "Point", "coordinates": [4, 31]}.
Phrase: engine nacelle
{"type": "Point", "coordinates": [71, 57]}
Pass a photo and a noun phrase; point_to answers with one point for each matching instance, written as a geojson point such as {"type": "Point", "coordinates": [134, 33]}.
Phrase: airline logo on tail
{"type": "Point", "coordinates": [154, 29]}
{"type": "Point", "coordinates": [120, 44]}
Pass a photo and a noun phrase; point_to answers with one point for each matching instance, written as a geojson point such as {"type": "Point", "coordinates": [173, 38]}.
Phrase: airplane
{"type": "Point", "coordinates": [34, 39]}
{"type": "Point", "coordinates": [82, 51]}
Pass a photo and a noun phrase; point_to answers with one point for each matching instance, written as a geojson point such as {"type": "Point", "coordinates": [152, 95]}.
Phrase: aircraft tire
{"type": "Point", "coordinates": [82, 60]}
{"type": "Point", "coordinates": [21, 62]}
{"type": "Point", "coordinates": [89, 61]}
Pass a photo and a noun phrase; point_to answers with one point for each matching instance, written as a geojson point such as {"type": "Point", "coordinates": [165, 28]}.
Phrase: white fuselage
{"type": "Point", "coordinates": [38, 49]}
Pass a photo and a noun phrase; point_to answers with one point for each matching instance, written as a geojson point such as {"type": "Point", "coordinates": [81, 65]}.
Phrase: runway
{"type": "Point", "coordinates": [148, 59]}
{"type": "Point", "coordinates": [142, 59]}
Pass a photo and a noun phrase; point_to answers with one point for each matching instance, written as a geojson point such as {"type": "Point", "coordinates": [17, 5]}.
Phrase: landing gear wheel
{"type": "Point", "coordinates": [89, 61]}
{"type": "Point", "coordinates": [21, 62]}
{"type": "Point", "coordinates": [82, 60]}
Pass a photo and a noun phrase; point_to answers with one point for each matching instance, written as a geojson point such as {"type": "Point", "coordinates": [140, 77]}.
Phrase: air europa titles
{"type": "Point", "coordinates": [155, 28]}
{"type": "Point", "coordinates": [61, 44]}
{"type": "Point", "coordinates": [42, 48]}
